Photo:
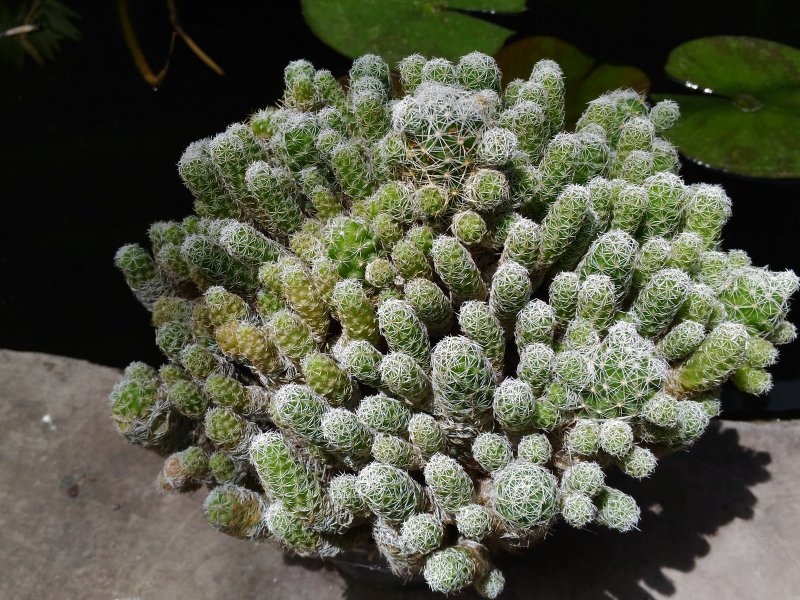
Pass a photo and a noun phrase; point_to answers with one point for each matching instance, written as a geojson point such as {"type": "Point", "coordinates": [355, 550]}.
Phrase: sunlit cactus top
{"type": "Point", "coordinates": [419, 310]}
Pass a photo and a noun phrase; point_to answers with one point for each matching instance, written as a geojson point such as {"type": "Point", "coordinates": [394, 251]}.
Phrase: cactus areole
{"type": "Point", "coordinates": [357, 338]}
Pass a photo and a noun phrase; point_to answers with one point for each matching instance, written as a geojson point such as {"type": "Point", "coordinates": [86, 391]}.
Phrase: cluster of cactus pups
{"type": "Point", "coordinates": [420, 311]}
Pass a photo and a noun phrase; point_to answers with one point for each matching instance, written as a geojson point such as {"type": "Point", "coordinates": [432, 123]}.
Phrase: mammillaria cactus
{"type": "Point", "coordinates": [434, 316]}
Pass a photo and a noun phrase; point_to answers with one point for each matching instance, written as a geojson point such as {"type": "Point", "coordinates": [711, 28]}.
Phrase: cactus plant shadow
{"type": "Point", "coordinates": [691, 496]}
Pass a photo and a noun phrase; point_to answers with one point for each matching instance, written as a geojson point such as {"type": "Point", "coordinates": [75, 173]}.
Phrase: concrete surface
{"type": "Point", "coordinates": [80, 517]}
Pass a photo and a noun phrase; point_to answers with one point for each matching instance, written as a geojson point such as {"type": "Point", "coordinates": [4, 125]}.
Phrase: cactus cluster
{"type": "Point", "coordinates": [419, 310]}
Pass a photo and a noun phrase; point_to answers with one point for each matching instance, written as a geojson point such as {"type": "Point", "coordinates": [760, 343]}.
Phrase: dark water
{"type": "Point", "coordinates": [88, 149]}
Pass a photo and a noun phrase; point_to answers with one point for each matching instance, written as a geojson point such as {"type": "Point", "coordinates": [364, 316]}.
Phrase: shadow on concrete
{"type": "Point", "coordinates": [691, 496]}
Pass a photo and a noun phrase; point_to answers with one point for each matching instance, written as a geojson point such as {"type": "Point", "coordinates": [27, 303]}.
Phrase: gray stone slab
{"type": "Point", "coordinates": [81, 517]}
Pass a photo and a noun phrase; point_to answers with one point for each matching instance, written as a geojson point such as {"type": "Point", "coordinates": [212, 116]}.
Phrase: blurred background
{"type": "Point", "coordinates": [89, 144]}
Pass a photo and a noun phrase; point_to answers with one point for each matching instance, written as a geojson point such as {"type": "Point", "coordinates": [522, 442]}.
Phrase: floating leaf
{"type": "Point", "coordinates": [748, 117]}
{"type": "Point", "coordinates": [397, 28]}
{"type": "Point", "coordinates": [585, 77]}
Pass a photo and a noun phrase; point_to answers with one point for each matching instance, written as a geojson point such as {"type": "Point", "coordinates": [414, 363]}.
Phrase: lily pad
{"type": "Point", "coordinates": [746, 117]}
{"type": "Point", "coordinates": [397, 28]}
{"type": "Point", "coordinates": [586, 78]}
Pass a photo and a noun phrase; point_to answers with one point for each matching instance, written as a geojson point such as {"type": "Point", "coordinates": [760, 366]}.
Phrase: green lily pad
{"type": "Point", "coordinates": [586, 78]}
{"type": "Point", "coordinates": [396, 28]}
{"type": "Point", "coordinates": [746, 118]}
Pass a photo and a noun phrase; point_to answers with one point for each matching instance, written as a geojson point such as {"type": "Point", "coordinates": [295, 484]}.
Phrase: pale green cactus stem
{"type": "Point", "coordinates": [535, 366]}
{"type": "Point", "coordinates": [188, 398]}
{"type": "Point", "coordinates": [430, 304]}
{"type": "Point", "coordinates": [664, 114]}
{"type": "Point", "coordinates": [583, 438]}
{"type": "Point", "coordinates": [659, 301]}
{"type": "Point", "coordinates": [511, 289]}
{"type": "Point", "coordinates": [492, 451]}
{"type": "Point", "coordinates": [403, 330]}
{"type": "Point", "coordinates": [666, 194]}
{"type": "Point", "coordinates": [752, 380]}
{"type": "Point", "coordinates": [172, 338]}
{"type": "Point", "coordinates": [707, 210]}
{"type": "Point", "coordinates": [405, 377]}
{"type": "Point", "coordinates": [469, 227]}
{"type": "Point", "coordinates": [682, 340]}
{"type": "Point", "coordinates": [293, 533]}
{"type": "Point", "coordinates": [389, 492]}
{"type": "Point", "coordinates": [243, 340]}
{"type": "Point", "coordinates": [229, 431]}
{"type": "Point", "coordinates": [617, 510]}
{"type": "Point", "coordinates": [702, 305]}
{"type": "Point", "coordinates": [456, 567]}
{"type": "Point", "coordinates": [562, 224]}
{"type": "Point", "coordinates": [227, 470]}
{"type": "Point", "coordinates": [458, 270]}
{"type": "Point", "coordinates": [384, 414]}
{"type": "Point", "coordinates": [616, 437]}
{"type": "Point", "coordinates": [479, 324]}
{"type": "Point", "coordinates": [296, 408]}
{"type": "Point", "coordinates": [393, 450]}
{"type": "Point", "coordinates": [661, 410]}
{"type": "Point", "coordinates": [655, 254]}
{"type": "Point", "coordinates": [692, 422]}
{"type": "Point", "coordinates": [475, 522]}
{"type": "Point", "coordinates": [302, 296]}
{"type": "Point", "coordinates": [325, 274]}
{"type": "Point", "coordinates": [352, 170]}
{"type": "Point", "coordinates": [630, 204]}
{"type": "Point", "coordinates": [525, 495]}
{"type": "Point", "coordinates": [346, 434]}
{"type": "Point", "coordinates": [426, 434]}
{"type": "Point", "coordinates": [236, 511]}
{"type": "Point", "coordinates": [199, 175]}
{"type": "Point", "coordinates": [613, 254]}
{"type": "Point", "coordinates": [758, 298]}
{"type": "Point", "coordinates": [717, 357]}
{"type": "Point", "coordinates": [639, 463]}
{"type": "Point", "coordinates": [351, 245]}
{"type": "Point", "coordinates": [380, 273]}
{"type": "Point", "coordinates": [211, 264]}
{"type": "Point", "coordinates": [627, 372]}
{"type": "Point", "coordinates": [573, 370]}
{"type": "Point", "coordinates": [535, 324]}
{"type": "Point", "coordinates": [577, 510]}
{"type": "Point", "coordinates": [528, 121]}
{"type": "Point", "coordinates": [184, 471]}
{"type": "Point", "coordinates": [293, 337]}
{"type": "Point", "coordinates": [514, 406]}
{"type": "Point", "coordinates": [248, 244]}
{"type": "Point", "coordinates": [535, 448]}
{"type": "Point", "coordinates": [452, 488]}
{"type": "Point", "coordinates": [287, 478]}
{"type": "Point", "coordinates": [522, 244]}
{"type": "Point", "coordinates": [326, 378]}
{"type": "Point", "coordinates": [354, 311]}
{"type": "Point", "coordinates": [597, 301]}
{"type": "Point", "coordinates": [343, 491]}
{"type": "Point", "coordinates": [686, 250]}
{"type": "Point", "coordinates": [563, 294]}
{"type": "Point", "coordinates": [463, 381]}
{"type": "Point", "coordinates": [585, 478]}
{"type": "Point", "coordinates": [422, 533]}
{"type": "Point", "coordinates": [362, 362]}
{"type": "Point", "coordinates": [223, 306]}
{"type": "Point", "coordinates": [276, 207]}
{"type": "Point", "coordinates": [761, 353]}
